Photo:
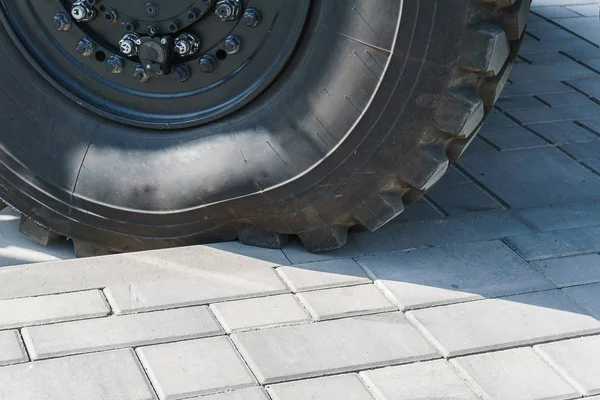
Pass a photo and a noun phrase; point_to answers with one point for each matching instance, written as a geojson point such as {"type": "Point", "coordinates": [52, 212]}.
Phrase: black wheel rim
{"type": "Point", "coordinates": [192, 61]}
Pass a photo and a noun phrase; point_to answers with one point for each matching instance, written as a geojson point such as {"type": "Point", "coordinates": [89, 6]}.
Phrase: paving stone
{"type": "Point", "coordinates": [345, 302]}
{"type": "Point", "coordinates": [561, 132]}
{"type": "Point", "coordinates": [424, 380]}
{"type": "Point", "coordinates": [321, 275]}
{"type": "Point", "coordinates": [111, 375]}
{"type": "Point", "coordinates": [583, 26]}
{"type": "Point", "coordinates": [594, 165]}
{"type": "Point", "coordinates": [155, 279]}
{"type": "Point", "coordinates": [554, 45]}
{"type": "Point", "coordinates": [254, 393]}
{"type": "Point", "coordinates": [496, 119]}
{"type": "Point", "coordinates": [538, 177]}
{"type": "Point", "coordinates": [513, 375]}
{"type": "Point", "coordinates": [479, 146]}
{"type": "Point", "coordinates": [585, 10]}
{"type": "Point", "coordinates": [123, 331]}
{"type": "Point", "coordinates": [583, 55]}
{"type": "Point", "coordinates": [518, 103]}
{"type": "Point", "coordinates": [341, 387]}
{"type": "Point", "coordinates": [512, 138]}
{"type": "Point", "coordinates": [552, 12]}
{"type": "Point", "coordinates": [570, 271]}
{"type": "Point", "coordinates": [554, 35]}
{"type": "Point", "coordinates": [461, 228]}
{"type": "Point", "coordinates": [542, 3]}
{"type": "Point", "coordinates": [546, 58]}
{"type": "Point", "coordinates": [344, 345]}
{"type": "Point", "coordinates": [535, 88]}
{"type": "Point", "coordinates": [54, 308]}
{"type": "Point", "coordinates": [577, 361]}
{"type": "Point", "coordinates": [583, 151]}
{"type": "Point", "coordinates": [593, 124]}
{"type": "Point", "coordinates": [564, 99]}
{"type": "Point", "coordinates": [490, 324]}
{"type": "Point", "coordinates": [448, 274]}
{"type": "Point", "coordinates": [12, 350]}
{"type": "Point", "coordinates": [260, 312]}
{"type": "Point", "coordinates": [591, 87]}
{"type": "Point", "coordinates": [564, 216]}
{"type": "Point", "coordinates": [195, 367]}
{"type": "Point", "coordinates": [463, 199]}
{"type": "Point", "coordinates": [587, 296]}
{"type": "Point", "coordinates": [452, 178]}
{"type": "Point", "coordinates": [556, 114]}
{"type": "Point", "coordinates": [540, 25]}
{"type": "Point", "coordinates": [569, 242]}
{"type": "Point", "coordinates": [419, 211]}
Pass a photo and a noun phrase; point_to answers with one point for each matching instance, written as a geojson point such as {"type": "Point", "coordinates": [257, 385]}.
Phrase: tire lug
{"type": "Point", "coordinates": [232, 45]}
{"type": "Point", "coordinates": [252, 18]}
{"type": "Point", "coordinates": [86, 47]}
{"type": "Point", "coordinates": [61, 21]}
{"type": "Point", "coordinates": [181, 73]}
{"type": "Point", "coordinates": [140, 74]}
{"type": "Point", "coordinates": [114, 65]}
{"type": "Point", "coordinates": [207, 64]}
{"type": "Point", "coordinates": [228, 10]}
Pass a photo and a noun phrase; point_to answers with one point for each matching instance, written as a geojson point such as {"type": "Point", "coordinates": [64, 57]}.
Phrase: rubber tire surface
{"type": "Point", "coordinates": [379, 97]}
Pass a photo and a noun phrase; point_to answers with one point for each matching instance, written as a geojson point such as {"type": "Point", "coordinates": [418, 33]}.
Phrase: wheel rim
{"type": "Point", "coordinates": [163, 64]}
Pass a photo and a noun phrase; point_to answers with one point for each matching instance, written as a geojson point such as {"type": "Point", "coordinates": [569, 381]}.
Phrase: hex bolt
{"type": "Point", "coordinates": [128, 44]}
{"type": "Point", "coordinates": [252, 18]}
{"type": "Point", "coordinates": [186, 44]}
{"type": "Point", "coordinates": [110, 16]}
{"type": "Point", "coordinates": [181, 73]}
{"type": "Point", "coordinates": [140, 74]}
{"type": "Point", "coordinates": [228, 10]}
{"type": "Point", "coordinates": [61, 21]}
{"type": "Point", "coordinates": [130, 26]}
{"type": "Point", "coordinates": [207, 64]}
{"type": "Point", "coordinates": [81, 12]}
{"type": "Point", "coordinates": [231, 45]}
{"type": "Point", "coordinates": [114, 64]}
{"type": "Point", "coordinates": [86, 47]}
{"type": "Point", "coordinates": [151, 9]}
{"type": "Point", "coordinates": [152, 30]}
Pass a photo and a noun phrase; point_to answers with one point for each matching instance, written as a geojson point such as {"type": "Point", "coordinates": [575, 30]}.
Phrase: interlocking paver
{"type": "Point", "coordinates": [453, 273]}
{"type": "Point", "coordinates": [556, 114]}
{"type": "Point", "coordinates": [325, 274]}
{"type": "Point", "coordinates": [11, 349]}
{"type": "Point", "coordinates": [424, 380]}
{"type": "Point", "coordinates": [583, 26]}
{"type": "Point", "coordinates": [453, 177]}
{"type": "Point", "coordinates": [569, 242]}
{"type": "Point", "coordinates": [564, 216]}
{"type": "Point", "coordinates": [254, 393]}
{"type": "Point", "coordinates": [570, 271]}
{"type": "Point", "coordinates": [532, 173]}
{"type": "Point", "coordinates": [111, 375]}
{"type": "Point", "coordinates": [195, 367]}
{"type": "Point", "coordinates": [345, 302]}
{"type": "Point", "coordinates": [419, 211]}
{"type": "Point", "coordinates": [587, 296]}
{"type": "Point", "coordinates": [584, 150]}
{"type": "Point", "coordinates": [513, 375]}
{"type": "Point", "coordinates": [260, 312]}
{"type": "Point", "coordinates": [119, 331]}
{"type": "Point", "coordinates": [518, 103]}
{"type": "Point", "coordinates": [463, 199]}
{"type": "Point", "coordinates": [577, 359]}
{"type": "Point", "coordinates": [591, 87]}
{"type": "Point", "coordinates": [496, 119]}
{"type": "Point", "coordinates": [594, 165]}
{"type": "Point", "coordinates": [561, 132]}
{"type": "Point", "coordinates": [564, 99]}
{"type": "Point", "coordinates": [490, 324]}
{"type": "Point", "coordinates": [535, 88]}
{"type": "Point", "coordinates": [341, 387]}
{"type": "Point", "coordinates": [512, 138]}
{"type": "Point", "coordinates": [557, 72]}
{"type": "Point", "coordinates": [46, 309]}
{"type": "Point", "coordinates": [350, 344]}
{"type": "Point", "coordinates": [545, 58]}
{"type": "Point", "coordinates": [588, 10]}
{"type": "Point", "coordinates": [555, 12]}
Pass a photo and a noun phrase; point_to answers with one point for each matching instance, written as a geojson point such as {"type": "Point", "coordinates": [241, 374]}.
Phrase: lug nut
{"type": "Point", "coordinates": [110, 16]}
{"type": "Point", "coordinates": [129, 44]}
{"type": "Point", "coordinates": [231, 45]}
{"type": "Point", "coordinates": [207, 63]}
{"type": "Point", "coordinates": [130, 26]}
{"type": "Point", "coordinates": [252, 18]}
{"type": "Point", "coordinates": [228, 10]}
{"type": "Point", "coordinates": [86, 47]}
{"type": "Point", "coordinates": [114, 65]}
{"type": "Point", "coordinates": [181, 73]}
{"type": "Point", "coordinates": [186, 44]}
{"type": "Point", "coordinates": [81, 12]}
{"type": "Point", "coordinates": [61, 21]}
{"type": "Point", "coordinates": [152, 30]}
{"type": "Point", "coordinates": [140, 74]}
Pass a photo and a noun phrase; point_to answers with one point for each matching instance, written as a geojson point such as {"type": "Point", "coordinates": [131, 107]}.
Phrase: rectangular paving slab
{"type": "Point", "coordinates": [119, 331]}
{"type": "Point", "coordinates": [322, 275]}
{"type": "Point", "coordinates": [570, 271]}
{"type": "Point", "coordinates": [111, 375]}
{"type": "Point", "coordinates": [491, 324]}
{"type": "Point", "coordinates": [54, 308]}
{"type": "Point", "coordinates": [587, 296]}
{"type": "Point", "coordinates": [452, 273]}
{"type": "Point", "coordinates": [424, 380]}
{"type": "Point", "coordinates": [195, 367]}
{"type": "Point", "coordinates": [255, 393]}
{"type": "Point", "coordinates": [517, 374]}
{"type": "Point", "coordinates": [12, 350]}
{"type": "Point", "coordinates": [577, 360]}
{"type": "Point", "coordinates": [564, 216]}
{"type": "Point", "coordinates": [321, 348]}
{"type": "Point", "coordinates": [341, 387]}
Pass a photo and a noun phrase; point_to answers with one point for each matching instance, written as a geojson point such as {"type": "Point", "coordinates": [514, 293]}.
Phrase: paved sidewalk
{"type": "Point", "coordinates": [487, 288]}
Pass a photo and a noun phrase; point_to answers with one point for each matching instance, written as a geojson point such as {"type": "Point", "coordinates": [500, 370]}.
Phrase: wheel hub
{"type": "Point", "coordinates": [161, 64]}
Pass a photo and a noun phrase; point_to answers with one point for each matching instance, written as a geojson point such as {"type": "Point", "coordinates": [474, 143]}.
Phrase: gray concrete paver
{"type": "Point", "coordinates": [322, 275]}
{"type": "Point", "coordinates": [254, 393]}
{"type": "Point", "coordinates": [587, 296]}
{"type": "Point", "coordinates": [340, 387]}
{"type": "Point", "coordinates": [570, 271]}
{"type": "Point", "coordinates": [12, 350]}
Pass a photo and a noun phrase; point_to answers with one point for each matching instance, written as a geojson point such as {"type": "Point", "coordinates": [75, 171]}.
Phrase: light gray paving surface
{"type": "Point", "coordinates": [488, 287]}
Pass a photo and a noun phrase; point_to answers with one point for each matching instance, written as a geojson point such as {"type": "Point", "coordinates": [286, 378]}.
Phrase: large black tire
{"type": "Point", "coordinates": [378, 98]}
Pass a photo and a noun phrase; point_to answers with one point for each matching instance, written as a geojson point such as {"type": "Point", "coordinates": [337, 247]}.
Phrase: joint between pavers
{"type": "Point", "coordinates": [429, 337]}
{"type": "Point", "coordinates": [91, 289]}
{"type": "Point", "coordinates": [468, 380]}
{"type": "Point", "coordinates": [559, 370]}
{"type": "Point", "coordinates": [145, 373]}
{"type": "Point", "coordinates": [370, 386]}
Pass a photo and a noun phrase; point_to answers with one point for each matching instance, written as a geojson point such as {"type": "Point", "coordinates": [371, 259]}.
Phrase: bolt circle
{"type": "Point", "coordinates": [207, 64]}
{"type": "Point", "coordinates": [252, 18]}
{"type": "Point", "coordinates": [61, 21]}
{"type": "Point", "coordinates": [114, 65]}
{"type": "Point", "coordinates": [232, 45]}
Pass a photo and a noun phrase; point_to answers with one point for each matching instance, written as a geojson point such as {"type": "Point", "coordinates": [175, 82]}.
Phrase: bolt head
{"type": "Point", "coordinates": [151, 9]}
{"type": "Point", "coordinates": [181, 73]}
{"type": "Point", "coordinates": [207, 64]}
{"type": "Point", "coordinates": [86, 47]}
{"type": "Point", "coordinates": [183, 47]}
{"type": "Point", "coordinates": [61, 21]}
{"type": "Point", "coordinates": [252, 18]}
{"type": "Point", "coordinates": [114, 65]}
{"type": "Point", "coordinates": [79, 13]}
{"type": "Point", "coordinates": [232, 45]}
{"type": "Point", "coordinates": [140, 74]}
{"type": "Point", "coordinates": [228, 10]}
